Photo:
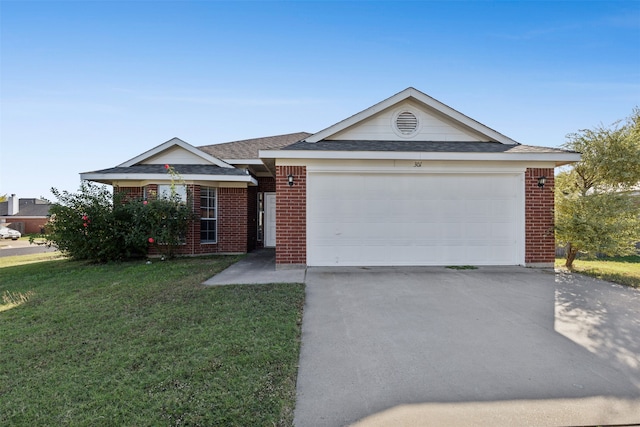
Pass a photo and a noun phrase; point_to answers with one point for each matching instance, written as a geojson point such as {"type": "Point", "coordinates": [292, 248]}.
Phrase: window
{"type": "Point", "coordinates": [164, 191]}
{"type": "Point", "coordinates": [208, 215]}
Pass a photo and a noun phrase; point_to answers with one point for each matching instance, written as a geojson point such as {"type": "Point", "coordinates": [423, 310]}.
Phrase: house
{"type": "Point", "coordinates": [408, 181]}
{"type": "Point", "coordinates": [24, 215]}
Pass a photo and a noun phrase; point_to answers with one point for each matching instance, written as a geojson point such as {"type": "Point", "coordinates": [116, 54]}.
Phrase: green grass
{"type": "Point", "coordinates": [138, 344]}
{"type": "Point", "coordinates": [622, 270]}
{"type": "Point", "coordinates": [11, 261]}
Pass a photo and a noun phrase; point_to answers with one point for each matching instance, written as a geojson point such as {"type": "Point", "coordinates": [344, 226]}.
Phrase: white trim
{"type": "Point", "coordinates": [243, 161]}
{"type": "Point", "coordinates": [175, 142]}
{"type": "Point", "coordinates": [420, 97]}
{"type": "Point", "coordinates": [93, 176]}
{"type": "Point", "coordinates": [266, 242]}
{"type": "Point", "coordinates": [558, 158]}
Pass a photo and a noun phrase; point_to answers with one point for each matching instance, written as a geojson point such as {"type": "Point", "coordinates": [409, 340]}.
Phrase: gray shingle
{"type": "Point", "coordinates": [248, 148]}
{"type": "Point", "coordinates": [421, 146]}
{"type": "Point", "coordinates": [181, 169]}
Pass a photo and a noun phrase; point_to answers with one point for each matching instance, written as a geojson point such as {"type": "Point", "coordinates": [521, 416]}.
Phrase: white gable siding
{"type": "Point", "coordinates": [177, 156]}
{"type": "Point", "coordinates": [432, 127]}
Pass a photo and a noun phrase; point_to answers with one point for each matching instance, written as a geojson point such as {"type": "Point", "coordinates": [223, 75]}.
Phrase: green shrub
{"type": "Point", "coordinates": [96, 225]}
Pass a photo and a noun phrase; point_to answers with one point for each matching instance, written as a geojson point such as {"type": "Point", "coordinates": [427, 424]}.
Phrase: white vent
{"type": "Point", "coordinates": [407, 123]}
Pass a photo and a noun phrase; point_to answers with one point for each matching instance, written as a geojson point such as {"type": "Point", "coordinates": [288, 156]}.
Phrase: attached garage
{"type": "Point", "coordinates": [412, 182]}
{"type": "Point", "coordinates": [373, 219]}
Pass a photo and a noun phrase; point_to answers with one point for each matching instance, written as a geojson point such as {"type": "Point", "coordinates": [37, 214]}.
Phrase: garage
{"type": "Point", "coordinates": [361, 218]}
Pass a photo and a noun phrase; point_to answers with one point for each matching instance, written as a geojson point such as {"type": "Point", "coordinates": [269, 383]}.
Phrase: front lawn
{"type": "Point", "coordinates": [623, 270]}
{"type": "Point", "coordinates": [138, 344]}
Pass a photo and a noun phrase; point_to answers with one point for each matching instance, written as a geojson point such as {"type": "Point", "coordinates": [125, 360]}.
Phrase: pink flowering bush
{"type": "Point", "coordinates": [99, 226]}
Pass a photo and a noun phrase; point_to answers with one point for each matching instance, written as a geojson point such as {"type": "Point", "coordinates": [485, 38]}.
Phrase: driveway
{"type": "Point", "coordinates": [493, 346]}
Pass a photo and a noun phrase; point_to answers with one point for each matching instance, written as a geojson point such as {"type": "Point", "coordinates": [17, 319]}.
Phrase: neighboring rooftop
{"type": "Point", "coordinates": [248, 148]}
{"type": "Point", "coordinates": [27, 207]}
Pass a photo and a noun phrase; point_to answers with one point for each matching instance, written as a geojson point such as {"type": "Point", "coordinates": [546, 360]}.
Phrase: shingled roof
{"type": "Point", "coordinates": [181, 169]}
{"type": "Point", "coordinates": [27, 207]}
{"type": "Point", "coordinates": [248, 148]}
{"type": "Point", "coordinates": [420, 146]}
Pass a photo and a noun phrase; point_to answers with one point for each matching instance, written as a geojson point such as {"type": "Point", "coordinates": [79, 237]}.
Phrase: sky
{"type": "Point", "coordinates": [88, 85]}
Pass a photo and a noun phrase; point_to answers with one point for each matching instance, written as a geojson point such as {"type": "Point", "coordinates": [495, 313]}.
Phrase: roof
{"type": "Point", "coordinates": [27, 207]}
{"type": "Point", "coordinates": [248, 148]}
{"type": "Point", "coordinates": [175, 142]}
{"type": "Point", "coordinates": [155, 172]}
{"type": "Point", "coordinates": [422, 146]}
{"type": "Point", "coordinates": [181, 169]}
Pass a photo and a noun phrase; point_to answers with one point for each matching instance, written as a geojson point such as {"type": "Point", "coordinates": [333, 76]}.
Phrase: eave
{"type": "Point", "coordinates": [108, 178]}
{"type": "Point", "coordinates": [558, 159]}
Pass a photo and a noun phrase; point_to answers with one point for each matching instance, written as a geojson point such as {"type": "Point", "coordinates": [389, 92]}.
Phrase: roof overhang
{"type": "Point", "coordinates": [107, 178]}
{"type": "Point", "coordinates": [558, 158]}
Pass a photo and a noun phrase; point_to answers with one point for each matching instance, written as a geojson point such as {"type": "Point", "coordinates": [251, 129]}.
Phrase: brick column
{"type": "Point", "coordinates": [232, 220]}
{"type": "Point", "coordinates": [291, 217]}
{"type": "Point", "coordinates": [540, 243]}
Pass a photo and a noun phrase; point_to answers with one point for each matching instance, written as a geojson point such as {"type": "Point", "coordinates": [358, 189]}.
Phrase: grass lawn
{"type": "Point", "coordinates": [138, 344]}
{"type": "Point", "coordinates": [623, 270]}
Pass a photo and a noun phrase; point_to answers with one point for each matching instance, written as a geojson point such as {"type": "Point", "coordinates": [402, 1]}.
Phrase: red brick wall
{"type": "Point", "coordinates": [232, 220]}
{"type": "Point", "coordinates": [267, 184]}
{"type": "Point", "coordinates": [130, 193]}
{"type": "Point", "coordinates": [539, 217]}
{"type": "Point", "coordinates": [252, 218]}
{"type": "Point", "coordinates": [233, 211]}
{"type": "Point", "coordinates": [291, 216]}
{"type": "Point", "coordinates": [25, 225]}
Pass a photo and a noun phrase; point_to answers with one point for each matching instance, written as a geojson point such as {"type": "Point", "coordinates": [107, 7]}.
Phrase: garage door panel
{"type": "Point", "coordinates": [413, 219]}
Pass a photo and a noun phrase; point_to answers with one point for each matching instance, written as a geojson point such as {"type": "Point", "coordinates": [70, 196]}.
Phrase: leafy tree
{"type": "Point", "coordinates": [595, 212]}
{"type": "Point", "coordinates": [3, 198]}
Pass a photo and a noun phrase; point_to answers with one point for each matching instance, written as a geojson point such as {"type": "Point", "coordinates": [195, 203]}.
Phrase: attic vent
{"type": "Point", "coordinates": [406, 123]}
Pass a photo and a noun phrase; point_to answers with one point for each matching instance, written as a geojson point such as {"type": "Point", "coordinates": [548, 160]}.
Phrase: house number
{"type": "Point", "coordinates": [417, 165]}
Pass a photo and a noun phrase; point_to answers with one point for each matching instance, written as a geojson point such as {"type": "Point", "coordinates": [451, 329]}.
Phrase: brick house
{"type": "Point", "coordinates": [27, 215]}
{"type": "Point", "coordinates": [408, 181]}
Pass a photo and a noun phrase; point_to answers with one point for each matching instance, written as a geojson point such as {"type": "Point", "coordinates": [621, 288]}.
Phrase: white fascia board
{"type": "Point", "coordinates": [180, 143]}
{"type": "Point", "coordinates": [102, 177]}
{"type": "Point", "coordinates": [421, 97]}
{"type": "Point", "coordinates": [243, 161]}
{"type": "Point", "coordinates": [558, 158]}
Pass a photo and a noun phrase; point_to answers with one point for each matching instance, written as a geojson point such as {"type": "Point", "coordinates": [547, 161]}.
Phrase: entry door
{"type": "Point", "coordinates": [270, 219]}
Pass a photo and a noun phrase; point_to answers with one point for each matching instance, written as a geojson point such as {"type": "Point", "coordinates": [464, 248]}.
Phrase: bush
{"type": "Point", "coordinates": [96, 225]}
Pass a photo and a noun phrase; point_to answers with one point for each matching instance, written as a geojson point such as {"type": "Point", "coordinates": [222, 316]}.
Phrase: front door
{"type": "Point", "coordinates": [270, 220]}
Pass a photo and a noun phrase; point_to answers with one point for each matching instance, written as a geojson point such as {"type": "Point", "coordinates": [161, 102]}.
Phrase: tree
{"type": "Point", "coordinates": [3, 198]}
{"type": "Point", "coordinates": [595, 212]}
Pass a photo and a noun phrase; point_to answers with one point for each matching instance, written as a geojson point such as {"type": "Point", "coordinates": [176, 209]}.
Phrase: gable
{"type": "Point", "coordinates": [175, 151]}
{"type": "Point", "coordinates": [409, 120]}
{"type": "Point", "coordinates": [175, 155]}
{"type": "Point", "coordinates": [433, 113]}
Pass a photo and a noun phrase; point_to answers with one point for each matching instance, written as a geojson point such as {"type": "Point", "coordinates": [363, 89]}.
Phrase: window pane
{"type": "Point", "coordinates": [208, 223]}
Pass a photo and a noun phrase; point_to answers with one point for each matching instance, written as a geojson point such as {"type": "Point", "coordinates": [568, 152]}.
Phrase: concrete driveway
{"type": "Point", "coordinates": [493, 346]}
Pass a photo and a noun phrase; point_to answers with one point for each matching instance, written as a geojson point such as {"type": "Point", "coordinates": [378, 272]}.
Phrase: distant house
{"type": "Point", "coordinates": [25, 215]}
{"type": "Point", "coordinates": [408, 181]}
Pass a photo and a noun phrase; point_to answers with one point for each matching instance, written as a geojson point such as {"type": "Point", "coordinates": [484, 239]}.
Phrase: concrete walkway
{"type": "Point", "coordinates": [258, 267]}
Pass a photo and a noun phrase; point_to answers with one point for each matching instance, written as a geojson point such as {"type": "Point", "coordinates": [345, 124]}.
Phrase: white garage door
{"type": "Point", "coordinates": [414, 219]}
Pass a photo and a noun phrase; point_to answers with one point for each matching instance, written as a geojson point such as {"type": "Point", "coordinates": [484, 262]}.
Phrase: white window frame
{"type": "Point", "coordinates": [215, 210]}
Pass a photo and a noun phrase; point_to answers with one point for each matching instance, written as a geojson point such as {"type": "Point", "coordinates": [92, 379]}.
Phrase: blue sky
{"type": "Point", "coordinates": [87, 85]}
